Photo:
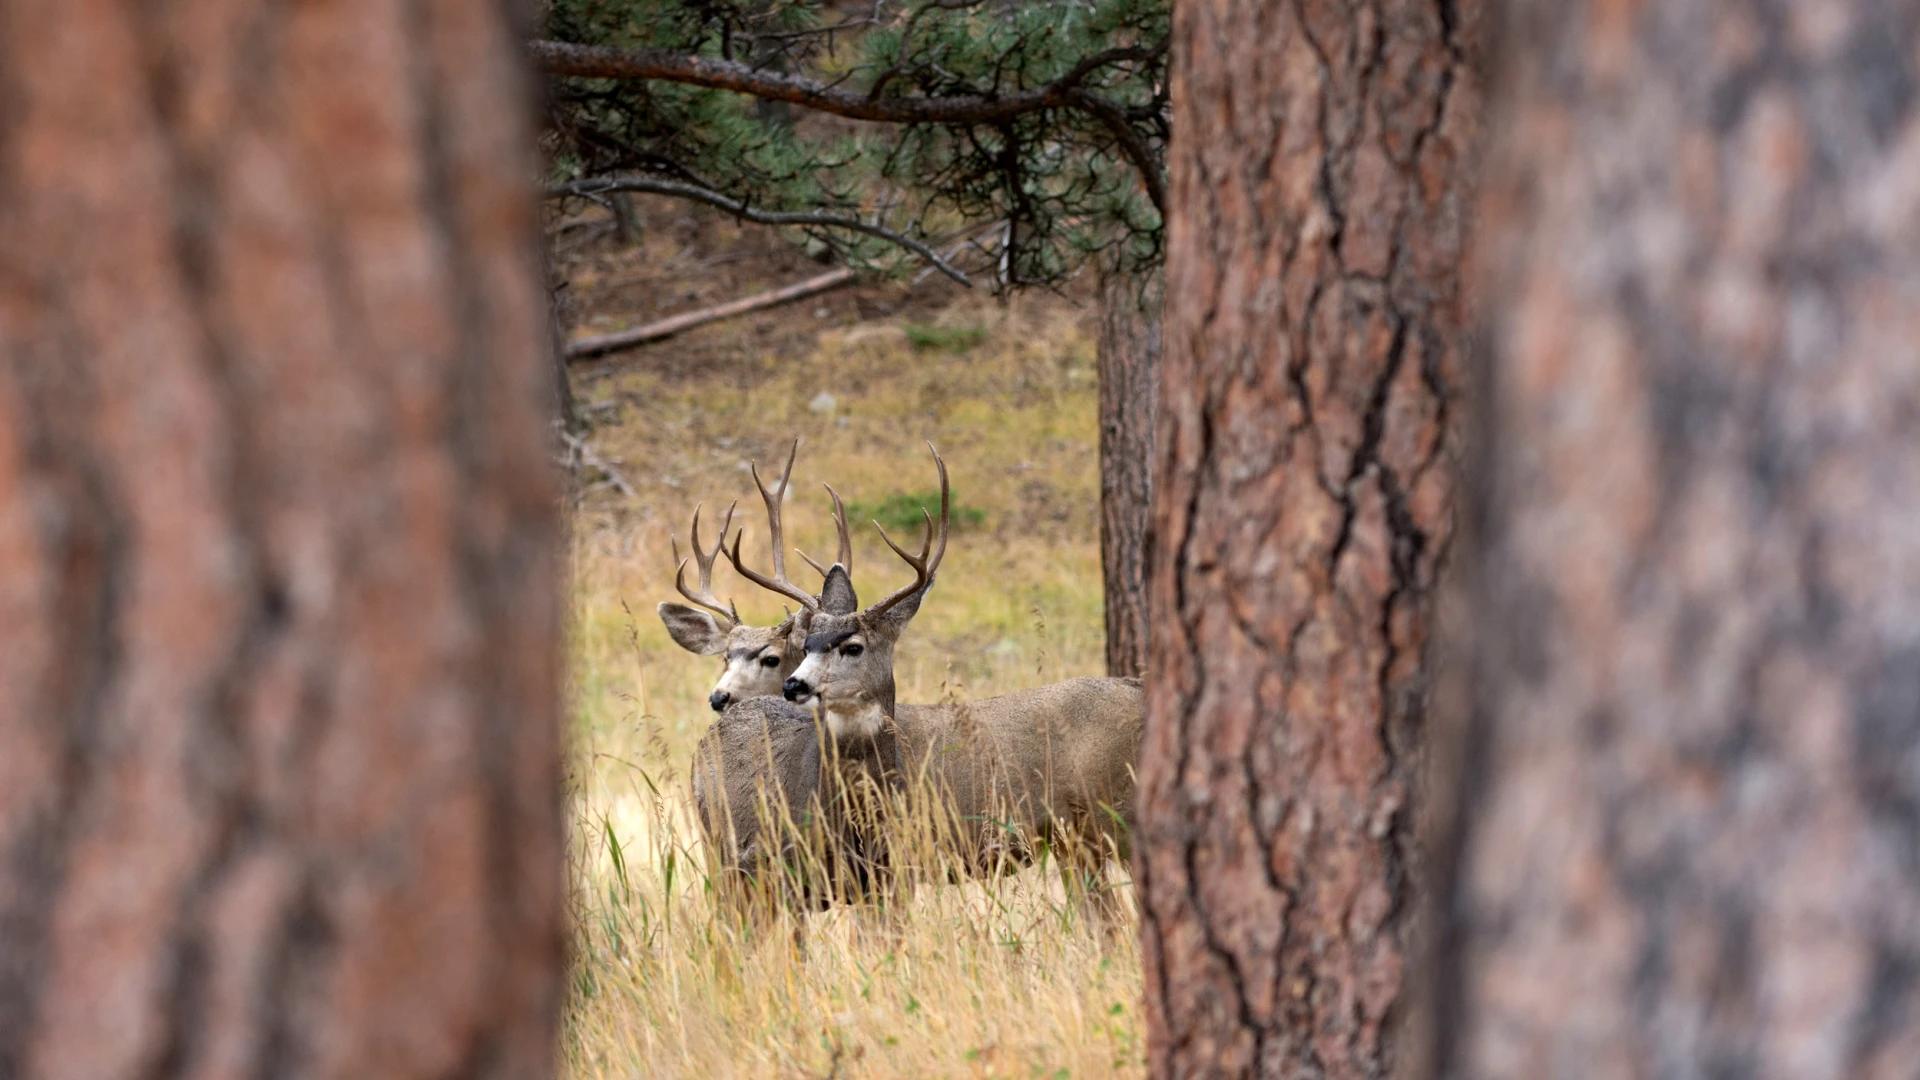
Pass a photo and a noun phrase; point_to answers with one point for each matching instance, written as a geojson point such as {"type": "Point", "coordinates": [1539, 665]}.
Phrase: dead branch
{"type": "Point", "coordinates": [677, 324]}
{"type": "Point", "coordinates": [583, 452]}
{"type": "Point", "coordinates": [815, 218]}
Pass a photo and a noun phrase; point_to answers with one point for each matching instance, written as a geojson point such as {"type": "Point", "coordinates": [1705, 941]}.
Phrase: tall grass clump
{"type": "Point", "coordinates": [1003, 975]}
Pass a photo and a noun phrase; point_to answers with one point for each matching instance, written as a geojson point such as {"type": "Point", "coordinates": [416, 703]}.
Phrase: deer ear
{"type": "Point", "coordinates": [897, 617]}
{"type": "Point", "coordinates": [836, 593]}
{"type": "Point", "coordinates": [693, 630]}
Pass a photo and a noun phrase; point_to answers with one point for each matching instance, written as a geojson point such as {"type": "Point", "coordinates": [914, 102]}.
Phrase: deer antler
{"type": "Point", "coordinates": [704, 559]}
{"type": "Point", "coordinates": [923, 567]}
{"type": "Point", "coordinates": [778, 583]}
{"type": "Point", "coordinates": [845, 558]}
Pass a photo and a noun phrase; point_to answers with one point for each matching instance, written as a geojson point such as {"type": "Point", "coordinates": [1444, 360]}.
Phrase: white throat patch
{"type": "Point", "coordinates": [861, 719]}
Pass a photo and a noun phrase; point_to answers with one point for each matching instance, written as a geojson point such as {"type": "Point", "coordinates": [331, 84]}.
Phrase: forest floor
{"type": "Point", "coordinates": [1003, 978]}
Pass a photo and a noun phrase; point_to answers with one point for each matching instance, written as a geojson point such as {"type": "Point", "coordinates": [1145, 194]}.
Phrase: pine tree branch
{"type": "Point", "coordinates": [604, 62]}
{"type": "Point", "coordinates": [815, 218]}
{"type": "Point", "coordinates": [1131, 144]}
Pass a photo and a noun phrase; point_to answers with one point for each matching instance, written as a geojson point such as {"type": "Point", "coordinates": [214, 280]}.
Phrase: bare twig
{"type": "Point", "coordinates": [583, 450]}
{"type": "Point", "coordinates": [676, 324]}
{"type": "Point", "coordinates": [593, 187]}
{"type": "Point", "coordinates": [815, 31]}
{"type": "Point", "coordinates": [965, 240]}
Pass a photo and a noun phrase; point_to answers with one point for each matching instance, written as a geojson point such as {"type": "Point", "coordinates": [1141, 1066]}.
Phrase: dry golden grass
{"type": "Point", "coordinates": [1001, 978]}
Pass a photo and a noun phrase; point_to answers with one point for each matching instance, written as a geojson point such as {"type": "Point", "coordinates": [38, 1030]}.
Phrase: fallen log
{"type": "Point", "coordinates": [598, 345]}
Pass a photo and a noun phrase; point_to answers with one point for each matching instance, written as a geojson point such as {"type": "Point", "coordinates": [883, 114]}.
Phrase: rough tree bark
{"type": "Point", "coordinates": [559, 305]}
{"type": "Point", "coordinates": [1129, 351]}
{"type": "Point", "coordinates": [278, 674]}
{"type": "Point", "coordinates": [1302, 507]}
{"type": "Point", "coordinates": [1690, 821]}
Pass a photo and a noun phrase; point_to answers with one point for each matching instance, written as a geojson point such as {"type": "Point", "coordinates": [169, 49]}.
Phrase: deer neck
{"type": "Point", "coordinates": [864, 717]}
{"type": "Point", "coordinates": [856, 724]}
{"type": "Point", "coordinates": [864, 734]}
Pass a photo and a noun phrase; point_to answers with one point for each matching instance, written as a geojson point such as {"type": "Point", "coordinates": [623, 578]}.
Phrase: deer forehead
{"type": "Point", "coordinates": [825, 638]}
{"type": "Point", "coordinates": [746, 641]}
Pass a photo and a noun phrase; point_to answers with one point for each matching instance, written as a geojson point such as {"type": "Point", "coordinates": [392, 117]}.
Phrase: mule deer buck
{"type": "Point", "coordinates": [759, 733]}
{"type": "Point", "coordinates": [1053, 764]}
{"type": "Point", "coordinates": [755, 660]}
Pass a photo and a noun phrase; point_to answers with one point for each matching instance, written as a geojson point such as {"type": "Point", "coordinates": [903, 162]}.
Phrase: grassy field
{"type": "Point", "coordinates": [997, 979]}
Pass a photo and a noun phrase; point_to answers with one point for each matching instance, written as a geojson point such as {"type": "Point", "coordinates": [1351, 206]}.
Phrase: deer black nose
{"type": "Point", "coordinates": [795, 689]}
{"type": "Point", "coordinates": [719, 699]}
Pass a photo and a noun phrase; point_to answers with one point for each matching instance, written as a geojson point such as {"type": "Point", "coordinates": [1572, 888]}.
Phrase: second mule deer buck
{"type": "Point", "coordinates": [1053, 764]}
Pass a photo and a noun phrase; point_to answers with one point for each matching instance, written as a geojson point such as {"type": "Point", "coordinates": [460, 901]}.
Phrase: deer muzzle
{"type": "Point", "coordinates": [796, 689]}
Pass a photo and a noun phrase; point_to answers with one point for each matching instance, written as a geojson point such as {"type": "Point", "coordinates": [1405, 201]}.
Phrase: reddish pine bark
{"type": "Point", "coordinates": [1129, 384]}
{"type": "Point", "coordinates": [1301, 508]}
{"type": "Point", "coordinates": [1690, 816]}
{"type": "Point", "coordinates": [278, 675]}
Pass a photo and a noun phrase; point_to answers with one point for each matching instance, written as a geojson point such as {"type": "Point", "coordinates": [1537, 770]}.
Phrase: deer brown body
{"type": "Point", "coordinates": [1052, 764]}
{"type": "Point", "coordinates": [1003, 774]}
{"type": "Point", "coordinates": [789, 812]}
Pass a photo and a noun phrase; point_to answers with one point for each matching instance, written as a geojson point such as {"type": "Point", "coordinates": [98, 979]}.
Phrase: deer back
{"type": "Point", "coordinates": [1055, 756]}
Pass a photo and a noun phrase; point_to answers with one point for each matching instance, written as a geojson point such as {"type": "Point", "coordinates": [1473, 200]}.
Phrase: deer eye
{"type": "Point", "coordinates": [854, 649]}
{"type": "Point", "coordinates": [769, 660]}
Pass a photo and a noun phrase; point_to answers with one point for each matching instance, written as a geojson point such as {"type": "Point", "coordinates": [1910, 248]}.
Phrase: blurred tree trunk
{"type": "Point", "coordinates": [559, 306]}
{"type": "Point", "coordinates": [278, 668]}
{"type": "Point", "coordinates": [1129, 350]}
{"type": "Point", "coordinates": [1302, 505]}
{"type": "Point", "coordinates": [1689, 826]}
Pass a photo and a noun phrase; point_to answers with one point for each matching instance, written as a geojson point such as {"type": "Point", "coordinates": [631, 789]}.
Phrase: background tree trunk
{"type": "Point", "coordinates": [278, 676]}
{"type": "Point", "coordinates": [1129, 383]}
{"type": "Point", "coordinates": [1690, 821]}
{"type": "Point", "coordinates": [1302, 506]}
{"type": "Point", "coordinates": [559, 305]}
